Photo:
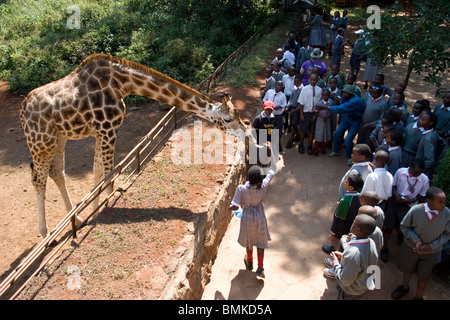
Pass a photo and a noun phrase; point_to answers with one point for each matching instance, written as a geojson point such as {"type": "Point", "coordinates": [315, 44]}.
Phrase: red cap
{"type": "Point", "coordinates": [268, 105]}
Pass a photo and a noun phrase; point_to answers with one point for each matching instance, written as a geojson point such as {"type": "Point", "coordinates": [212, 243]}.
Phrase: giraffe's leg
{"type": "Point", "coordinates": [56, 172]}
{"type": "Point", "coordinates": [39, 175]}
{"type": "Point", "coordinates": [103, 162]}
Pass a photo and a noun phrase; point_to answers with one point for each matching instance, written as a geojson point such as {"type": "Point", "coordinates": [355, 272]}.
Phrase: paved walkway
{"type": "Point", "coordinates": [299, 205]}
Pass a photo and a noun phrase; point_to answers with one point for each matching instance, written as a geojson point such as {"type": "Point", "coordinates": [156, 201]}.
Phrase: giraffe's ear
{"type": "Point", "coordinates": [226, 101]}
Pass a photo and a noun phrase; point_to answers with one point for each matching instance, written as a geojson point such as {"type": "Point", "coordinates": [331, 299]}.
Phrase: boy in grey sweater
{"type": "Point", "coordinates": [351, 266]}
{"type": "Point", "coordinates": [426, 228]}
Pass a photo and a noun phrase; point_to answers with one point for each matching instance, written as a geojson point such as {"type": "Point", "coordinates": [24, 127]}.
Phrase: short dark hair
{"type": "Point", "coordinates": [355, 180]}
{"type": "Point", "coordinates": [255, 176]}
{"type": "Point", "coordinates": [417, 163]}
{"type": "Point", "coordinates": [382, 156]}
{"type": "Point", "coordinates": [364, 150]}
{"type": "Point", "coordinates": [397, 136]}
{"type": "Point", "coordinates": [433, 192]}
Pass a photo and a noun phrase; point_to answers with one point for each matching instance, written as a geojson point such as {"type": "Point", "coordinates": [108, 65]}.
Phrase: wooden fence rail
{"type": "Point", "coordinates": [122, 170]}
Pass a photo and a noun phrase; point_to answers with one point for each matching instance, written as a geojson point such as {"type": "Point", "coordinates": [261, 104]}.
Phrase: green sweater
{"type": "Point", "coordinates": [427, 148]}
{"type": "Point", "coordinates": [417, 226]}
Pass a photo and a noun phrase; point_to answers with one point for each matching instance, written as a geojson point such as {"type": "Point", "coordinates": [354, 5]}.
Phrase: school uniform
{"type": "Point", "coordinates": [409, 187]}
{"type": "Point", "coordinates": [371, 69]}
{"type": "Point", "coordinates": [288, 84]}
{"type": "Point", "coordinates": [285, 64]}
{"type": "Point", "coordinates": [351, 272]}
{"type": "Point", "coordinates": [443, 115]}
{"type": "Point", "coordinates": [270, 83]}
{"type": "Point", "coordinates": [411, 118]}
{"type": "Point", "coordinates": [412, 136]}
{"type": "Point", "coordinates": [427, 150]}
{"type": "Point", "coordinates": [303, 55]}
{"type": "Point", "coordinates": [430, 227]}
{"type": "Point", "coordinates": [254, 230]}
{"type": "Point", "coordinates": [376, 236]}
{"type": "Point", "coordinates": [395, 159]}
{"type": "Point", "coordinates": [335, 24]}
{"type": "Point", "coordinates": [308, 98]}
{"type": "Point", "coordinates": [338, 47]}
{"type": "Point", "coordinates": [339, 81]}
{"type": "Point", "coordinates": [278, 76]}
{"type": "Point", "coordinates": [293, 105]}
{"type": "Point", "coordinates": [290, 56]}
{"type": "Point", "coordinates": [362, 167]}
{"type": "Point", "coordinates": [380, 181]}
{"type": "Point", "coordinates": [345, 214]}
{"type": "Point", "coordinates": [373, 113]}
{"type": "Point", "coordinates": [322, 131]}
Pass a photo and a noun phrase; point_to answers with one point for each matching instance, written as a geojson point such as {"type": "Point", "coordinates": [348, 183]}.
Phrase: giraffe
{"type": "Point", "coordinates": [89, 102]}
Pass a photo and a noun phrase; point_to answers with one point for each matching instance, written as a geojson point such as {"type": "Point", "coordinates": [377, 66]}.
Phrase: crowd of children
{"type": "Point", "coordinates": [387, 187]}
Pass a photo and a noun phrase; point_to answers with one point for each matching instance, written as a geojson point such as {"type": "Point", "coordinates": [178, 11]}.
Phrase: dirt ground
{"type": "Point", "coordinates": [173, 222]}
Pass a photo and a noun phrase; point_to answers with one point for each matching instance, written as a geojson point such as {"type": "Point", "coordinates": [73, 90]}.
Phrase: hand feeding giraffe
{"type": "Point", "coordinates": [88, 102]}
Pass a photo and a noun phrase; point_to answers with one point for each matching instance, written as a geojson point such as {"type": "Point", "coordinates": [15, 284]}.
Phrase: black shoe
{"type": "Point", "coordinates": [301, 149]}
{"type": "Point", "coordinates": [323, 151]}
{"type": "Point", "coordinates": [297, 138]}
{"type": "Point", "coordinates": [248, 265]}
{"type": "Point", "coordinates": [384, 255]}
{"type": "Point", "coordinates": [290, 143]}
{"type": "Point", "coordinates": [316, 152]}
{"type": "Point", "coordinates": [280, 148]}
{"type": "Point", "coordinates": [310, 151]}
{"type": "Point", "coordinates": [328, 249]}
{"type": "Point", "coordinates": [260, 272]}
{"type": "Point", "coordinates": [399, 292]}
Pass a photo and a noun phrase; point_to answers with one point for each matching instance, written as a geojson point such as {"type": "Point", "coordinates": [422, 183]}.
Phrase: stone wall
{"type": "Point", "coordinates": [194, 269]}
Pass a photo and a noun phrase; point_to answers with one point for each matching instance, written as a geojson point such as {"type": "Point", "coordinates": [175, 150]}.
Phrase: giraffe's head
{"type": "Point", "coordinates": [226, 117]}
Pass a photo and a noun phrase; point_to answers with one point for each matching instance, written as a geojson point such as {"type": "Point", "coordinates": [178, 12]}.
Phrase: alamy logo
{"type": "Point", "coordinates": [74, 20]}
{"type": "Point", "coordinates": [374, 21]}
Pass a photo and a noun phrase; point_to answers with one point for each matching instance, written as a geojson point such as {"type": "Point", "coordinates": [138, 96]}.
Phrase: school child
{"type": "Point", "coordinates": [370, 198]}
{"type": "Point", "coordinates": [308, 99]}
{"type": "Point", "coordinates": [360, 158]}
{"type": "Point", "coordinates": [350, 266]}
{"type": "Point", "coordinates": [394, 140]}
{"type": "Point", "coordinates": [380, 180]}
{"type": "Point", "coordinates": [336, 74]}
{"type": "Point", "coordinates": [376, 235]}
{"type": "Point", "coordinates": [269, 81]}
{"type": "Point", "coordinates": [264, 121]}
{"type": "Point", "coordinates": [288, 85]}
{"type": "Point", "coordinates": [357, 56]}
{"type": "Point", "coordinates": [408, 188]}
{"type": "Point", "coordinates": [386, 90]}
{"type": "Point", "coordinates": [398, 102]}
{"type": "Point", "coordinates": [353, 108]}
{"type": "Point", "coordinates": [335, 24]}
{"type": "Point", "coordinates": [288, 54]}
{"type": "Point", "coordinates": [378, 135]}
{"type": "Point", "coordinates": [344, 22]}
{"type": "Point", "coordinates": [399, 88]}
{"type": "Point", "coordinates": [254, 230]}
{"type": "Point", "coordinates": [277, 74]}
{"type": "Point", "coordinates": [304, 54]}
{"type": "Point", "coordinates": [338, 46]}
{"type": "Point", "coordinates": [442, 111]}
{"type": "Point", "coordinates": [294, 111]}
{"type": "Point", "coordinates": [279, 57]}
{"type": "Point", "coordinates": [335, 92]}
{"type": "Point", "coordinates": [373, 113]}
{"type": "Point", "coordinates": [320, 82]}
{"type": "Point", "coordinates": [427, 148]}
{"type": "Point", "coordinates": [426, 228]}
{"type": "Point", "coordinates": [345, 212]}
{"type": "Point", "coordinates": [279, 101]}
{"type": "Point", "coordinates": [293, 44]}
{"type": "Point", "coordinates": [323, 126]}
{"type": "Point", "coordinates": [351, 79]}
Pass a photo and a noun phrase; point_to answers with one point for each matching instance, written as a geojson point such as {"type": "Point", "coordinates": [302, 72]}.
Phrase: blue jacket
{"type": "Point", "coordinates": [353, 108]}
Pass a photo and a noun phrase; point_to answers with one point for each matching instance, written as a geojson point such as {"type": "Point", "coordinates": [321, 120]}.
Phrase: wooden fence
{"type": "Point", "coordinates": [125, 170]}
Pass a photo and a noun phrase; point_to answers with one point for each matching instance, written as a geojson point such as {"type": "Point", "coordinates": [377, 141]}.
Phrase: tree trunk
{"type": "Point", "coordinates": [410, 68]}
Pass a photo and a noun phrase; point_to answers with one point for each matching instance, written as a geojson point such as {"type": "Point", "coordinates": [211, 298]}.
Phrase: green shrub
{"type": "Point", "coordinates": [442, 180]}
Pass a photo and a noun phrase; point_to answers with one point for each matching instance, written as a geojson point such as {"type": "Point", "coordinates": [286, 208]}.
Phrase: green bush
{"type": "Point", "coordinates": [183, 39]}
{"type": "Point", "coordinates": [442, 180]}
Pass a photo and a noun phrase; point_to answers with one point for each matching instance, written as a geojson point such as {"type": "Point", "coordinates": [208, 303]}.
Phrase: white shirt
{"type": "Point", "coordinates": [309, 98]}
{"type": "Point", "coordinates": [429, 212]}
{"type": "Point", "coordinates": [278, 99]}
{"type": "Point", "coordinates": [403, 180]}
{"type": "Point", "coordinates": [288, 84]}
{"type": "Point", "coordinates": [290, 56]}
{"type": "Point", "coordinates": [380, 181]}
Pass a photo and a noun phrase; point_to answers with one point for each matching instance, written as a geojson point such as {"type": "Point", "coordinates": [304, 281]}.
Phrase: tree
{"type": "Point", "coordinates": [422, 37]}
